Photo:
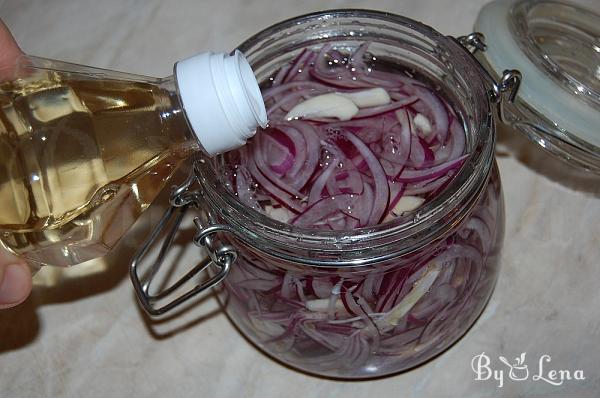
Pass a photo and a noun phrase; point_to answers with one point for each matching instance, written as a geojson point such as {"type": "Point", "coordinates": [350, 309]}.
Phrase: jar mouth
{"type": "Point", "coordinates": [445, 62]}
{"type": "Point", "coordinates": [564, 41]}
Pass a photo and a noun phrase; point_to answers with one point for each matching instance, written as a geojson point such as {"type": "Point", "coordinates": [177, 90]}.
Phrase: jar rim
{"type": "Point", "coordinates": [367, 245]}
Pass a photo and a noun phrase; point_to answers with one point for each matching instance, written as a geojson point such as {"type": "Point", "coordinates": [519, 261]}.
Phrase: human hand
{"type": "Point", "coordinates": [15, 277]}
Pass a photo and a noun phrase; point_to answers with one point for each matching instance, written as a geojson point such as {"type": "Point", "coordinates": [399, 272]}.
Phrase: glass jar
{"type": "Point", "coordinates": [554, 44]}
{"type": "Point", "coordinates": [376, 300]}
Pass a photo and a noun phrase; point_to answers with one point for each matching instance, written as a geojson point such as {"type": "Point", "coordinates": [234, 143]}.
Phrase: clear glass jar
{"type": "Point", "coordinates": [376, 300]}
{"type": "Point", "coordinates": [554, 44]}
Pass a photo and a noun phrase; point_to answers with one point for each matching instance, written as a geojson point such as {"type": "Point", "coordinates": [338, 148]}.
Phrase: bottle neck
{"type": "Point", "coordinates": [221, 99]}
{"type": "Point", "coordinates": [173, 115]}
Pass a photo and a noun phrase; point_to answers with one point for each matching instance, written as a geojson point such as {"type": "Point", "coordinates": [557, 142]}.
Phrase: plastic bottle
{"type": "Point", "coordinates": [83, 151]}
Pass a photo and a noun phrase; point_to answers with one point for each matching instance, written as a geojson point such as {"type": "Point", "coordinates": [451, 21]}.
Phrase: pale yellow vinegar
{"type": "Point", "coordinates": [80, 160]}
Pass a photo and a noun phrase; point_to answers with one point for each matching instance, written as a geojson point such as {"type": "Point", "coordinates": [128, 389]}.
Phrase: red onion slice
{"type": "Point", "coordinates": [381, 186]}
{"type": "Point", "coordinates": [323, 208]}
{"type": "Point", "coordinates": [437, 112]}
{"type": "Point", "coordinates": [433, 172]}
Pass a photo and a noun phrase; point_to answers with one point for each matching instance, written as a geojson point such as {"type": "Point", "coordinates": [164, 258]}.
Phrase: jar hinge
{"type": "Point", "coordinates": [220, 256]}
{"type": "Point", "coordinates": [502, 92]}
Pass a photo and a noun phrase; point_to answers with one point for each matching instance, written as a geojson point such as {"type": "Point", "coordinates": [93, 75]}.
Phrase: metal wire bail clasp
{"type": "Point", "coordinates": [473, 42]}
{"type": "Point", "coordinates": [220, 257]}
{"type": "Point", "coordinates": [503, 92]}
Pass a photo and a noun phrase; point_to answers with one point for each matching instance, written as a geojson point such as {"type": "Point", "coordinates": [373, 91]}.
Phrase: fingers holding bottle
{"type": "Point", "coordinates": [15, 280]}
{"type": "Point", "coordinates": [9, 49]}
{"type": "Point", "coordinates": [15, 277]}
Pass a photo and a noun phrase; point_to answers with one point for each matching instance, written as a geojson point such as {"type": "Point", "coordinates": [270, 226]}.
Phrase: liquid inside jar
{"type": "Point", "coordinates": [352, 143]}
{"type": "Point", "coordinates": [355, 141]}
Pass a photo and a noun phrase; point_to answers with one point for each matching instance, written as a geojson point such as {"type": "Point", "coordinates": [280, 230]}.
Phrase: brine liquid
{"type": "Point", "coordinates": [80, 159]}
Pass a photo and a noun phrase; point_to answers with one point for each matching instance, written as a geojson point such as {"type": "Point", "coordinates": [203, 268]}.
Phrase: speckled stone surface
{"type": "Point", "coordinates": [86, 337]}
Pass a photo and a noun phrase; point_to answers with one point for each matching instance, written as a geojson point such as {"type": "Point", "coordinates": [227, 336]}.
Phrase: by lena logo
{"type": "Point", "coordinates": [519, 370]}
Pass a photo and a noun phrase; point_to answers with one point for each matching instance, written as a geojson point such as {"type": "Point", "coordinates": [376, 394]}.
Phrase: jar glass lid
{"type": "Point", "coordinates": [556, 47]}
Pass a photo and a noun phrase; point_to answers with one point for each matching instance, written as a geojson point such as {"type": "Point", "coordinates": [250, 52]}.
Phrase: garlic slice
{"type": "Point", "coordinates": [407, 203]}
{"type": "Point", "coordinates": [422, 123]}
{"type": "Point", "coordinates": [322, 305]}
{"type": "Point", "coordinates": [420, 287]}
{"type": "Point", "coordinates": [326, 105]}
{"type": "Point", "coordinates": [342, 106]}
{"type": "Point", "coordinates": [279, 213]}
{"type": "Point", "coordinates": [370, 97]}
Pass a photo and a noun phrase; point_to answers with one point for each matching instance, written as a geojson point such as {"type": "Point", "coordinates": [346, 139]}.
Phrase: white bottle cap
{"type": "Point", "coordinates": [221, 99]}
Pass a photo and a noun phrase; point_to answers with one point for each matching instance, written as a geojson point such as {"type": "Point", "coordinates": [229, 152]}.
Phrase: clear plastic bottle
{"type": "Point", "coordinates": [83, 151]}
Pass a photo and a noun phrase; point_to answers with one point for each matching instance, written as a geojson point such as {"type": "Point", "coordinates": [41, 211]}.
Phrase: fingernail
{"type": "Point", "coordinates": [15, 285]}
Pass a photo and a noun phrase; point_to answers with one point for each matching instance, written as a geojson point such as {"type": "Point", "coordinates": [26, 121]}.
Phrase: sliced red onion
{"type": "Point", "coordinates": [276, 193]}
{"type": "Point", "coordinates": [322, 287]}
{"type": "Point", "coordinates": [357, 59]}
{"type": "Point", "coordinates": [298, 64]}
{"type": "Point", "coordinates": [432, 172]}
{"type": "Point", "coordinates": [425, 186]}
{"type": "Point", "coordinates": [328, 206]}
{"type": "Point", "coordinates": [458, 140]}
{"type": "Point", "coordinates": [308, 155]}
{"type": "Point", "coordinates": [319, 184]}
{"type": "Point", "coordinates": [381, 109]}
{"type": "Point", "coordinates": [436, 110]}
{"type": "Point", "coordinates": [258, 284]}
{"type": "Point", "coordinates": [326, 174]}
{"type": "Point", "coordinates": [397, 142]}
{"type": "Point", "coordinates": [364, 206]}
{"type": "Point", "coordinates": [381, 186]}
{"type": "Point", "coordinates": [280, 159]}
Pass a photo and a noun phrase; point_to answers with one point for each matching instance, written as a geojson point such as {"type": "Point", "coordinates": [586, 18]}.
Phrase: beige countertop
{"type": "Point", "coordinates": [87, 337]}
